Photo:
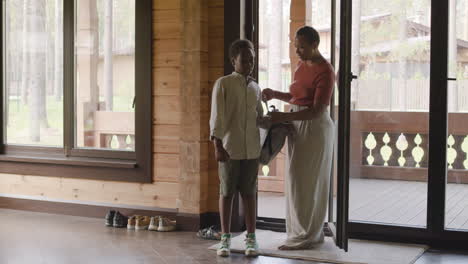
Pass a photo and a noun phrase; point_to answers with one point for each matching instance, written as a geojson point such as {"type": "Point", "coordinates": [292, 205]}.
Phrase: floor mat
{"type": "Point", "coordinates": [360, 251]}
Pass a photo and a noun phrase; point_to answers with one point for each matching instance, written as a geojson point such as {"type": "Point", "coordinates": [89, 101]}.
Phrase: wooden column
{"type": "Point", "coordinates": [194, 98]}
{"type": "Point", "coordinates": [87, 95]}
{"type": "Point", "coordinates": [215, 70]}
{"type": "Point", "coordinates": [298, 19]}
{"type": "Point", "coordinates": [274, 42]}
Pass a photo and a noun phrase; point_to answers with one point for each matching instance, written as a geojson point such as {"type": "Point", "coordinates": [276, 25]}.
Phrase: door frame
{"type": "Point", "coordinates": [344, 105]}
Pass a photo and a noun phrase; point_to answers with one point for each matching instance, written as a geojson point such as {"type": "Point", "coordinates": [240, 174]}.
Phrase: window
{"type": "Point", "coordinates": [33, 93]}
{"type": "Point", "coordinates": [76, 91]}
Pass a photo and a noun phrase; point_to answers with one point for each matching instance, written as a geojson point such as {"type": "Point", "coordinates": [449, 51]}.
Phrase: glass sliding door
{"type": "Point", "coordinates": [277, 60]}
{"type": "Point", "coordinates": [274, 71]}
{"type": "Point", "coordinates": [389, 112]}
{"type": "Point", "coordinates": [456, 198]}
{"type": "Point", "coordinates": [277, 22]}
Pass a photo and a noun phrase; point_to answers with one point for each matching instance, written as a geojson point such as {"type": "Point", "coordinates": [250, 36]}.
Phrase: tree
{"type": "Point", "coordinates": [355, 49]}
{"type": "Point", "coordinates": [452, 57]}
{"type": "Point", "coordinates": [8, 58]}
{"type": "Point", "coordinates": [25, 61]}
{"type": "Point", "coordinates": [48, 66]}
{"type": "Point", "coordinates": [36, 83]}
{"type": "Point", "coordinates": [58, 64]}
{"type": "Point", "coordinates": [402, 37]}
{"type": "Point", "coordinates": [108, 52]}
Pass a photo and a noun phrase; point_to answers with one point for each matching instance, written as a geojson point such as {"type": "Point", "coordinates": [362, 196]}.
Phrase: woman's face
{"type": "Point", "coordinates": [304, 49]}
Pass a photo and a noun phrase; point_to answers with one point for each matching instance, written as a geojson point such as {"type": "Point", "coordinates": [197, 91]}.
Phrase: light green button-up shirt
{"type": "Point", "coordinates": [236, 109]}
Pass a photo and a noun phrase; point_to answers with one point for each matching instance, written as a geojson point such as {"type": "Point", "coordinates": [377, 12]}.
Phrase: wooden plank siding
{"type": "Point", "coordinates": [168, 39]}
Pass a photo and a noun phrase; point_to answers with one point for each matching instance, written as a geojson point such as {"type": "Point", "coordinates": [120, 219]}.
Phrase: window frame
{"type": "Point", "coordinates": [72, 162]}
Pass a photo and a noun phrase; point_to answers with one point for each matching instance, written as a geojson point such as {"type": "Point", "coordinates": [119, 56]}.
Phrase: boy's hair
{"type": "Point", "coordinates": [239, 45]}
{"type": "Point", "coordinates": [309, 33]}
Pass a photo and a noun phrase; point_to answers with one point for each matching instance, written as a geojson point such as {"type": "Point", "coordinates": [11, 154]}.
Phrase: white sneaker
{"type": "Point", "coordinates": [166, 225]}
{"type": "Point", "coordinates": [154, 223]}
{"type": "Point", "coordinates": [251, 246]}
{"type": "Point", "coordinates": [224, 249]}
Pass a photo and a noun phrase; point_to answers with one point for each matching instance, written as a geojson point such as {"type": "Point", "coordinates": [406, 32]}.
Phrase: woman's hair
{"type": "Point", "coordinates": [239, 45]}
{"type": "Point", "coordinates": [309, 33]}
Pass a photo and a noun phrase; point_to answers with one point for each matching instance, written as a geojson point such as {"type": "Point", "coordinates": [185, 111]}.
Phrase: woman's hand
{"type": "Point", "coordinates": [278, 117]}
{"type": "Point", "coordinates": [268, 94]}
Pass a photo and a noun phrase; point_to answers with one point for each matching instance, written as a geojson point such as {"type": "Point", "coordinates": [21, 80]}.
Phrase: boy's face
{"type": "Point", "coordinates": [244, 62]}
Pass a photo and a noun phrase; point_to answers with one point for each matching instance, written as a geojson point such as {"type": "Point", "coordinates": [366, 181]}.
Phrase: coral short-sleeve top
{"type": "Point", "coordinates": [312, 84]}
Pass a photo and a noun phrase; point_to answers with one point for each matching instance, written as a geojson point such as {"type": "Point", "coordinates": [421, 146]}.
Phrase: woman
{"type": "Point", "coordinates": [310, 150]}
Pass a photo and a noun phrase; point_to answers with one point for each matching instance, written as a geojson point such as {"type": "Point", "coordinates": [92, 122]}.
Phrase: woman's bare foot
{"type": "Point", "coordinates": [284, 247]}
{"type": "Point", "coordinates": [299, 247]}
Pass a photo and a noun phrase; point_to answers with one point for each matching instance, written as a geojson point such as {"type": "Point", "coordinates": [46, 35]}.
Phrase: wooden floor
{"type": "Point", "coordinates": [385, 201]}
{"type": "Point", "coordinates": [27, 237]}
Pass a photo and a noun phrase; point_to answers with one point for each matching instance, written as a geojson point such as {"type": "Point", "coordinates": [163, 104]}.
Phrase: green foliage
{"type": "Point", "coordinates": [406, 50]}
{"type": "Point", "coordinates": [18, 120]}
{"type": "Point", "coordinates": [418, 75]}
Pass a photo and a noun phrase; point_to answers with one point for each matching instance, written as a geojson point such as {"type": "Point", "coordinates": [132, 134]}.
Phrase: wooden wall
{"type": "Point", "coordinates": [188, 58]}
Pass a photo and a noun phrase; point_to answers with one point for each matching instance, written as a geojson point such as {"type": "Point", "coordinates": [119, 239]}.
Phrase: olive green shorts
{"type": "Point", "coordinates": [238, 175]}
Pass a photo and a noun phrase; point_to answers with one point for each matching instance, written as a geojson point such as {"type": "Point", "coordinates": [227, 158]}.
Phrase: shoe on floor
{"type": "Point", "coordinates": [251, 246]}
{"type": "Point", "coordinates": [142, 222]}
{"type": "Point", "coordinates": [132, 222]}
{"type": "Point", "coordinates": [211, 232]}
{"type": "Point", "coordinates": [110, 218]}
{"type": "Point", "coordinates": [154, 223]}
{"type": "Point", "coordinates": [165, 224]}
{"type": "Point", "coordinates": [120, 220]}
{"type": "Point", "coordinates": [224, 249]}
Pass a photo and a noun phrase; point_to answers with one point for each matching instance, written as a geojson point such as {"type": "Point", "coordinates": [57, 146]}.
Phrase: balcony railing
{"type": "Point", "coordinates": [390, 145]}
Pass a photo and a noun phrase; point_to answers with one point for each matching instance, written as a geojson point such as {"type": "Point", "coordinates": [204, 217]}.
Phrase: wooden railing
{"type": "Point", "coordinates": [115, 130]}
{"type": "Point", "coordinates": [271, 177]}
{"type": "Point", "coordinates": [394, 145]}
{"type": "Point", "coordinates": [117, 141]}
{"type": "Point", "coordinates": [390, 145]}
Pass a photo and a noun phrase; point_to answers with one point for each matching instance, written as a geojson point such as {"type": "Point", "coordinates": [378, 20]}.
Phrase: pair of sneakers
{"type": "Point", "coordinates": [251, 246]}
{"type": "Point", "coordinates": [162, 224]}
{"type": "Point", "coordinates": [115, 219]}
{"type": "Point", "coordinates": [138, 222]}
{"type": "Point", "coordinates": [154, 223]}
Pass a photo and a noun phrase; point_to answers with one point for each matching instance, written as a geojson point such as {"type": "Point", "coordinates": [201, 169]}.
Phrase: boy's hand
{"type": "Point", "coordinates": [221, 154]}
{"type": "Point", "coordinates": [268, 94]}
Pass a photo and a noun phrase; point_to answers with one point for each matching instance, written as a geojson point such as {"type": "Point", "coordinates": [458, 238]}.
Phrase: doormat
{"type": "Point", "coordinates": [359, 251]}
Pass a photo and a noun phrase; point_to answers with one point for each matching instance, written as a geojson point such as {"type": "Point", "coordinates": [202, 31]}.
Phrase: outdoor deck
{"type": "Point", "coordinates": [387, 201]}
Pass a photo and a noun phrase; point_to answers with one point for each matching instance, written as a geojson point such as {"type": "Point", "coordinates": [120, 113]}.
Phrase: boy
{"type": "Point", "coordinates": [236, 110]}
